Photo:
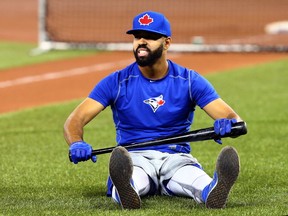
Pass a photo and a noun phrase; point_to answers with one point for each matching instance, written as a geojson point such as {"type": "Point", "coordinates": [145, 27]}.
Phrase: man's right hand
{"type": "Point", "coordinates": [81, 151]}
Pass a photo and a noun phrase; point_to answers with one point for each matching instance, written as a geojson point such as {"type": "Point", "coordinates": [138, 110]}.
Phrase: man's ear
{"type": "Point", "coordinates": [167, 42]}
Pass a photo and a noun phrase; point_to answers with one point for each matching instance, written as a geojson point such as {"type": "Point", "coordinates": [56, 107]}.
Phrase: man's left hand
{"type": "Point", "coordinates": [223, 126]}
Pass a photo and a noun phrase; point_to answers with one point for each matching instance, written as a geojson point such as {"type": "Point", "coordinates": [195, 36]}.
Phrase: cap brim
{"type": "Point", "coordinates": [133, 31]}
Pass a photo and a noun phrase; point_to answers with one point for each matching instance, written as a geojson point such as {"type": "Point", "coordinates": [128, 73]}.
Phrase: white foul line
{"type": "Point", "coordinates": [62, 74]}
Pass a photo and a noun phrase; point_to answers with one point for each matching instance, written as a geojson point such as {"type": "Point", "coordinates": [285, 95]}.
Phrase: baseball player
{"type": "Point", "coordinates": [151, 98]}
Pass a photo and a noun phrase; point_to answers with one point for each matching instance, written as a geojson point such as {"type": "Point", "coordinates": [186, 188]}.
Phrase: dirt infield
{"type": "Point", "coordinates": [70, 79]}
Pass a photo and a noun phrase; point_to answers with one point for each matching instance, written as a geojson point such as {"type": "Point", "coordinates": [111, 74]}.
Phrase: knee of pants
{"type": "Point", "coordinates": [188, 181]}
{"type": "Point", "coordinates": [143, 182]}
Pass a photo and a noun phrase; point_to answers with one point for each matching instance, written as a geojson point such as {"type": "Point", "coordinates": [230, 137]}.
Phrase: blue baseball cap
{"type": "Point", "coordinates": [152, 22]}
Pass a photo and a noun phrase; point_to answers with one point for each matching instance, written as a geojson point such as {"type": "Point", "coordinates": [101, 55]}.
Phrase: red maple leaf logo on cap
{"type": "Point", "coordinates": [145, 20]}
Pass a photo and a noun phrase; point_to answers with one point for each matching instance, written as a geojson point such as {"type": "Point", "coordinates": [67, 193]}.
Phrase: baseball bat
{"type": "Point", "coordinates": [238, 129]}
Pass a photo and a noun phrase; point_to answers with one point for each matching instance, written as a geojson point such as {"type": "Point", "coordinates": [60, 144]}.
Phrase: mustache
{"type": "Point", "coordinates": [142, 46]}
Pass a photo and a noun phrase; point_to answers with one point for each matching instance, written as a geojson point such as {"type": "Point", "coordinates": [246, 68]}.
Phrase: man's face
{"type": "Point", "coordinates": [147, 48]}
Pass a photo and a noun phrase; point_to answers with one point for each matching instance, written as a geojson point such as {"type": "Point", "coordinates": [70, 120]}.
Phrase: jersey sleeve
{"type": "Point", "coordinates": [202, 91]}
{"type": "Point", "coordinates": [104, 92]}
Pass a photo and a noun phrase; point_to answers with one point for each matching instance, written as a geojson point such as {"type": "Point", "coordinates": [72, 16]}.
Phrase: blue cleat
{"type": "Point", "coordinates": [215, 194]}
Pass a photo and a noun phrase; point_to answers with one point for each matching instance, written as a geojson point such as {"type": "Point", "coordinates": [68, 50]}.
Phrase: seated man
{"type": "Point", "coordinates": [151, 98]}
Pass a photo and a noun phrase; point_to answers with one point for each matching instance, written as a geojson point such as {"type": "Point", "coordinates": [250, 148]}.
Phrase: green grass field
{"type": "Point", "coordinates": [38, 179]}
{"type": "Point", "coordinates": [19, 54]}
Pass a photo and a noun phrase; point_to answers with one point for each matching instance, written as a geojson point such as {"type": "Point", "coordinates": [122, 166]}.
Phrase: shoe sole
{"type": "Point", "coordinates": [121, 169]}
{"type": "Point", "coordinates": [227, 168]}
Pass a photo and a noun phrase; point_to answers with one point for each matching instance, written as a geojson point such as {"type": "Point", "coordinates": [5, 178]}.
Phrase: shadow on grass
{"type": "Point", "coordinates": [97, 195]}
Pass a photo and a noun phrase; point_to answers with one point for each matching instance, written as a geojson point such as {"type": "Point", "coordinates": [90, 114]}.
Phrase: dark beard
{"type": "Point", "coordinates": [150, 59]}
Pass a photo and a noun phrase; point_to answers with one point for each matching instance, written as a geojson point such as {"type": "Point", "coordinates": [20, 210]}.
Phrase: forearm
{"type": "Point", "coordinates": [84, 113]}
{"type": "Point", "coordinates": [73, 130]}
{"type": "Point", "coordinates": [219, 109]}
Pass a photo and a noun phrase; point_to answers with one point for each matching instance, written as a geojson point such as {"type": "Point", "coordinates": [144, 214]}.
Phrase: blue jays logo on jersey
{"type": "Point", "coordinates": [155, 102]}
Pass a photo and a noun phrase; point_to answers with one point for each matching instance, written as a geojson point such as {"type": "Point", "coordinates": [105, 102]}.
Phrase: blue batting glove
{"type": "Point", "coordinates": [222, 127]}
{"type": "Point", "coordinates": [81, 151]}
